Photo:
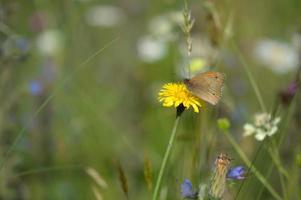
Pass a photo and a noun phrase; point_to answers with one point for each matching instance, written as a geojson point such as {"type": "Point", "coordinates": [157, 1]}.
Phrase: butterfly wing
{"type": "Point", "coordinates": [207, 86]}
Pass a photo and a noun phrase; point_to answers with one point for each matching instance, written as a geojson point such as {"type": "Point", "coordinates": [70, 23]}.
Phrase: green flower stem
{"type": "Point", "coordinates": [282, 172]}
{"type": "Point", "coordinates": [165, 158]}
{"type": "Point", "coordinates": [279, 142]}
{"type": "Point", "coordinates": [277, 161]}
{"type": "Point", "coordinates": [250, 77]}
{"type": "Point", "coordinates": [259, 176]}
{"type": "Point", "coordinates": [48, 99]}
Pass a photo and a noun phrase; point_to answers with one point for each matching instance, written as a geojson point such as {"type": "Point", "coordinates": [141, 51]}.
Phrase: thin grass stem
{"type": "Point", "coordinates": [165, 159]}
{"type": "Point", "coordinates": [42, 106]}
{"type": "Point", "coordinates": [279, 142]}
{"type": "Point", "coordinates": [250, 77]}
{"type": "Point", "coordinates": [248, 163]}
{"type": "Point", "coordinates": [268, 174]}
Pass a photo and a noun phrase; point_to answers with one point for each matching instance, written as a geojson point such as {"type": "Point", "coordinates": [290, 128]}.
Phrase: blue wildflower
{"type": "Point", "coordinates": [22, 44]}
{"type": "Point", "coordinates": [237, 173]}
{"type": "Point", "coordinates": [35, 88]}
{"type": "Point", "coordinates": [187, 190]}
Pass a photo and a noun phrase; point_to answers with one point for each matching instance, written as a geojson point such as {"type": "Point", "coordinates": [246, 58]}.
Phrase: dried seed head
{"type": "Point", "coordinates": [218, 180]}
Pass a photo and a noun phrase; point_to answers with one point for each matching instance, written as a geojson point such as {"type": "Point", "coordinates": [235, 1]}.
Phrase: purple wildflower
{"type": "Point", "coordinates": [35, 88]}
{"type": "Point", "coordinates": [288, 94]}
{"type": "Point", "coordinates": [236, 173]}
{"type": "Point", "coordinates": [22, 44]}
{"type": "Point", "coordinates": [187, 190]}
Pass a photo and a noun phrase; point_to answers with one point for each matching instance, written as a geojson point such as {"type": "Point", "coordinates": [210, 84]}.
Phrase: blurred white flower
{"type": "Point", "coordinates": [201, 48]}
{"type": "Point", "coordinates": [105, 16]}
{"type": "Point", "coordinates": [164, 26]}
{"type": "Point", "coordinates": [151, 49]}
{"type": "Point", "coordinates": [197, 65]}
{"type": "Point", "coordinates": [263, 126]}
{"type": "Point", "coordinates": [201, 55]}
{"type": "Point", "coordinates": [279, 56]}
{"type": "Point", "coordinates": [249, 129]}
{"type": "Point", "coordinates": [50, 42]}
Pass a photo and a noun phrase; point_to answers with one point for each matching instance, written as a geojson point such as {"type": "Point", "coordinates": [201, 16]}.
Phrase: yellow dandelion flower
{"type": "Point", "coordinates": [174, 94]}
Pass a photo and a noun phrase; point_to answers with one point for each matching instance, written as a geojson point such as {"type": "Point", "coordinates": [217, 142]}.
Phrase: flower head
{"type": "Point", "coordinates": [35, 87]}
{"type": "Point", "coordinates": [236, 173]}
{"type": "Point", "coordinates": [105, 16]}
{"type": "Point", "coordinates": [187, 190]}
{"type": "Point", "coordinates": [219, 177]}
{"type": "Point", "coordinates": [288, 94]}
{"type": "Point", "coordinates": [50, 42]}
{"type": "Point", "coordinates": [174, 94]}
{"type": "Point", "coordinates": [151, 49]}
{"type": "Point", "coordinates": [264, 125]}
{"type": "Point", "coordinates": [281, 57]}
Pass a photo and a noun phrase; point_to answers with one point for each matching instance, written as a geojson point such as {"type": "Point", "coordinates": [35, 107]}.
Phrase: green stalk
{"type": "Point", "coordinates": [165, 158]}
{"type": "Point", "coordinates": [259, 176]}
{"type": "Point", "coordinates": [279, 142]}
{"type": "Point", "coordinates": [250, 77]}
{"type": "Point", "coordinates": [267, 175]}
{"type": "Point", "coordinates": [274, 154]}
{"type": "Point", "coordinates": [48, 99]}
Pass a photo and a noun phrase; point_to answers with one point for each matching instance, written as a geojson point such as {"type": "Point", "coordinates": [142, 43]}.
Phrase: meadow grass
{"type": "Point", "coordinates": [82, 125]}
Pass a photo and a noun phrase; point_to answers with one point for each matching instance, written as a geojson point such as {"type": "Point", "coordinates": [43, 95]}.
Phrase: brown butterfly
{"type": "Point", "coordinates": [207, 86]}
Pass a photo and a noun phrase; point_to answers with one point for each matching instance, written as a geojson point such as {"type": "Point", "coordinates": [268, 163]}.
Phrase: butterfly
{"type": "Point", "coordinates": [207, 86]}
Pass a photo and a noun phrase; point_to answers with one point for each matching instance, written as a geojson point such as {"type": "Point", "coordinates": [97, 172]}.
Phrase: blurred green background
{"type": "Point", "coordinates": [79, 82]}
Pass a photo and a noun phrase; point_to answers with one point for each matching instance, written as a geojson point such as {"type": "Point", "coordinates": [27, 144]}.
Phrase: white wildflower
{"type": "Point", "coordinates": [281, 57]}
{"type": "Point", "coordinates": [196, 65]}
{"type": "Point", "coordinates": [201, 56]}
{"type": "Point", "coordinates": [50, 42]}
{"type": "Point", "coordinates": [264, 125]}
{"type": "Point", "coordinates": [151, 49]}
{"type": "Point", "coordinates": [105, 16]}
{"type": "Point", "coordinates": [165, 26]}
{"type": "Point", "coordinates": [249, 129]}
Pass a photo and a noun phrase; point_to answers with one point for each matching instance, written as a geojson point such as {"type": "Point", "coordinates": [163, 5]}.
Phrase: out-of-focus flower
{"type": "Point", "coordinates": [105, 16]}
{"type": "Point", "coordinates": [237, 173]}
{"type": "Point", "coordinates": [279, 56]}
{"type": "Point", "coordinates": [219, 177]}
{"type": "Point", "coordinates": [288, 94]}
{"type": "Point", "coordinates": [175, 94]}
{"type": "Point", "coordinates": [187, 190]}
{"type": "Point", "coordinates": [223, 124]}
{"type": "Point", "coordinates": [202, 53]}
{"type": "Point", "coordinates": [151, 49]}
{"type": "Point", "coordinates": [36, 87]}
{"type": "Point", "coordinates": [50, 42]}
{"type": "Point", "coordinates": [196, 66]}
{"type": "Point", "coordinates": [164, 26]}
{"type": "Point", "coordinates": [15, 46]}
{"type": "Point", "coordinates": [201, 48]}
{"type": "Point", "coordinates": [38, 21]}
{"type": "Point", "coordinates": [263, 126]}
